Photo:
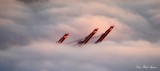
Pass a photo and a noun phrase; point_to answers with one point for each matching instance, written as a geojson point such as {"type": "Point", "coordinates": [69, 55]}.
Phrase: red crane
{"type": "Point", "coordinates": [104, 35]}
{"type": "Point", "coordinates": [88, 37]}
{"type": "Point", "coordinates": [63, 38]}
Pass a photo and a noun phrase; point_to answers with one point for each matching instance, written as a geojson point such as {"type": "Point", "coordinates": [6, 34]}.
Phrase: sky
{"type": "Point", "coordinates": [29, 30]}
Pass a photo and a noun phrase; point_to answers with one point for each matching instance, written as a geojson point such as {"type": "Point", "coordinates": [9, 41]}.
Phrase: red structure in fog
{"type": "Point", "coordinates": [63, 38]}
{"type": "Point", "coordinates": [104, 35]}
{"type": "Point", "coordinates": [88, 37]}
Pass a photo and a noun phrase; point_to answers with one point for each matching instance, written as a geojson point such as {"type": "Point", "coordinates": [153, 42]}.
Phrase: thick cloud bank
{"type": "Point", "coordinates": [46, 56]}
{"type": "Point", "coordinates": [30, 28]}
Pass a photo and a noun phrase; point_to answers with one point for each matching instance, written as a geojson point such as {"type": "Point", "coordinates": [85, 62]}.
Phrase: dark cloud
{"type": "Point", "coordinates": [10, 37]}
{"type": "Point", "coordinates": [30, 1]}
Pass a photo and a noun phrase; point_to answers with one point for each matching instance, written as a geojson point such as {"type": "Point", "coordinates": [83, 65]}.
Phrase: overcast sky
{"type": "Point", "coordinates": [30, 28]}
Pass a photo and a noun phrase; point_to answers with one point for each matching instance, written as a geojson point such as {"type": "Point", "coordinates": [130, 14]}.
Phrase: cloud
{"type": "Point", "coordinates": [30, 1]}
{"type": "Point", "coordinates": [111, 56]}
{"type": "Point", "coordinates": [47, 20]}
{"type": "Point", "coordinates": [30, 28]}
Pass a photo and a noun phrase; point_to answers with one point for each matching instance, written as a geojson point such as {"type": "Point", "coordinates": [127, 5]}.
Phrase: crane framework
{"type": "Point", "coordinates": [87, 38]}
